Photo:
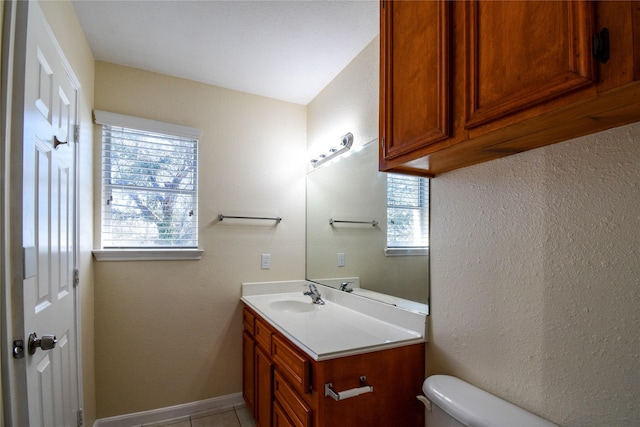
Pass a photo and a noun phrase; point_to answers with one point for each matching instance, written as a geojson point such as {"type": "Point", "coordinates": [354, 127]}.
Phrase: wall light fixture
{"type": "Point", "coordinates": [345, 145]}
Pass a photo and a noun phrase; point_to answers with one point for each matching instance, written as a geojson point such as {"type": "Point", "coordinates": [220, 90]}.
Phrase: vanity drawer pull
{"type": "Point", "coordinates": [296, 408]}
{"type": "Point", "coordinates": [295, 367]}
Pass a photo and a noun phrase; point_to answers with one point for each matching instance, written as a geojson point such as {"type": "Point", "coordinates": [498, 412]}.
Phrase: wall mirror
{"type": "Point", "coordinates": [351, 188]}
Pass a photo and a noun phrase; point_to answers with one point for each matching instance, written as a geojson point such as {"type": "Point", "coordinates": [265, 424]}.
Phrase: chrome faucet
{"type": "Point", "coordinates": [345, 287]}
{"type": "Point", "coordinates": [314, 294]}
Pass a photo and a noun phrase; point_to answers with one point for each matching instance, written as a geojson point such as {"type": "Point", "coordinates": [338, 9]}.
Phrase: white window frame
{"type": "Point", "coordinates": [391, 251]}
{"type": "Point", "coordinates": [144, 254]}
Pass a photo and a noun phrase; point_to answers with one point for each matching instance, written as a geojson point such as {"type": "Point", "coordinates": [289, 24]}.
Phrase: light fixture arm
{"type": "Point", "coordinates": [345, 145]}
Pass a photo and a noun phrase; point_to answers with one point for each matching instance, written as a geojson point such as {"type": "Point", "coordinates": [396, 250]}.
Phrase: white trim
{"type": "Point", "coordinates": [131, 122]}
{"type": "Point", "coordinates": [147, 254]}
{"type": "Point", "coordinates": [7, 38]}
{"type": "Point", "coordinates": [216, 404]}
{"type": "Point", "coordinates": [406, 252]}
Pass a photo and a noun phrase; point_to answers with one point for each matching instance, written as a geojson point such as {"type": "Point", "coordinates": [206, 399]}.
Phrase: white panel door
{"type": "Point", "coordinates": [48, 214]}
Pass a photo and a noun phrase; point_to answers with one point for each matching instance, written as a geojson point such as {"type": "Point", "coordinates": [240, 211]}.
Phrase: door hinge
{"type": "Point", "coordinates": [80, 418]}
{"type": "Point", "coordinates": [600, 46]}
{"type": "Point", "coordinates": [76, 133]}
{"type": "Point", "coordinates": [76, 277]}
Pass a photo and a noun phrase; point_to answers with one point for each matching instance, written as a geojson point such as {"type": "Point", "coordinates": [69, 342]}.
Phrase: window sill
{"type": "Point", "coordinates": [148, 254]}
{"type": "Point", "coordinates": [406, 252]}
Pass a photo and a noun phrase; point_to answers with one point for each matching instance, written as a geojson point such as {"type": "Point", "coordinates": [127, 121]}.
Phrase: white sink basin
{"type": "Point", "coordinates": [334, 329]}
{"type": "Point", "coordinates": [292, 306]}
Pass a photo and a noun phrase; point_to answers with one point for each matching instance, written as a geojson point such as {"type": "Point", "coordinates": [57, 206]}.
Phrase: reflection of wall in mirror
{"type": "Point", "coordinates": [352, 189]}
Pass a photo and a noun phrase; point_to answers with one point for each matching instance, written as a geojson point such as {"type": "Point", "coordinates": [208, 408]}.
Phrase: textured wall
{"type": "Point", "coordinates": [170, 332]}
{"type": "Point", "coordinates": [536, 278]}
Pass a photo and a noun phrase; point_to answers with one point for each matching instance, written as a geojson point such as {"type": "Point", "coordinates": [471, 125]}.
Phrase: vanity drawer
{"type": "Point", "coordinates": [280, 418]}
{"type": "Point", "coordinates": [293, 365]}
{"type": "Point", "coordinates": [248, 321]}
{"type": "Point", "coordinates": [263, 334]}
{"type": "Point", "coordinates": [292, 404]}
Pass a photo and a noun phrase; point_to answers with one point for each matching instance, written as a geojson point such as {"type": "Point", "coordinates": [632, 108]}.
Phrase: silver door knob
{"type": "Point", "coordinates": [47, 342]}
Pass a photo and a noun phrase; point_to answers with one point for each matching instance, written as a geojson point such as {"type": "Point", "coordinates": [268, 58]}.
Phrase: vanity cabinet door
{"type": "Point", "coordinates": [263, 389]}
{"type": "Point", "coordinates": [248, 371]}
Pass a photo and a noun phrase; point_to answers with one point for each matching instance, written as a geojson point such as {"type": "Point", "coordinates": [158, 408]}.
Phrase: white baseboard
{"type": "Point", "coordinates": [216, 404]}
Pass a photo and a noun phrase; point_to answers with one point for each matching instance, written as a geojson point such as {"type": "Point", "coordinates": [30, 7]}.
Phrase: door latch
{"type": "Point", "coordinates": [18, 349]}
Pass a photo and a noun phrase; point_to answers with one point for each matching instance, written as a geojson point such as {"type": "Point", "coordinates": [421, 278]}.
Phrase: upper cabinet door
{"type": "Point", "coordinates": [415, 75]}
{"type": "Point", "coordinates": [522, 54]}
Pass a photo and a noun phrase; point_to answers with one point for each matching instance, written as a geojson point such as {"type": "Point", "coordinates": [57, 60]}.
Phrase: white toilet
{"type": "Point", "coordinates": [452, 402]}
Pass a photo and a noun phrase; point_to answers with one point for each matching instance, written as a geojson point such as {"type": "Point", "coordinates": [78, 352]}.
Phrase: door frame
{"type": "Point", "coordinates": [14, 409]}
{"type": "Point", "coordinates": [14, 35]}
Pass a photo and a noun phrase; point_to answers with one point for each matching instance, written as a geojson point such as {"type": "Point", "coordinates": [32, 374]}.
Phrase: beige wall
{"type": "Point", "coordinates": [535, 278]}
{"type": "Point", "coordinates": [170, 332]}
{"type": "Point", "coordinates": [348, 104]}
{"type": "Point", "coordinates": [68, 32]}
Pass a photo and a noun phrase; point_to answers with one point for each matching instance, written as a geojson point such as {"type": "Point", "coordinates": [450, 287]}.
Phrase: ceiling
{"type": "Point", "coordinates": [288, 50]}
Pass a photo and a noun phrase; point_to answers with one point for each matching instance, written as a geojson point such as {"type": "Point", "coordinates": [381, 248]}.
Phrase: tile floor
{"type": "Point", "coordinates": [237, 417]}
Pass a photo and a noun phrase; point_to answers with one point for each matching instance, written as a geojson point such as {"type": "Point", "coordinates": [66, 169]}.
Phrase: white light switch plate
{"type": "Point", "coordinates": [266, 261]}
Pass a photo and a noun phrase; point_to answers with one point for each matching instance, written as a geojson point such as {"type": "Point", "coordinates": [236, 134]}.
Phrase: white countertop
{"type": "Point", "coordinates": [345, 325]}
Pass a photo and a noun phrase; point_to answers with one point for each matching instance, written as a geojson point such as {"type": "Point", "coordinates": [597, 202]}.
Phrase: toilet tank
{"type": "Point", "coordinates": [455, 403]}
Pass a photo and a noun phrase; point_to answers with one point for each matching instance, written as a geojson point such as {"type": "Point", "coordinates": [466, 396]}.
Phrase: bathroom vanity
{"type": "Point", "coordinates": [335, 364]}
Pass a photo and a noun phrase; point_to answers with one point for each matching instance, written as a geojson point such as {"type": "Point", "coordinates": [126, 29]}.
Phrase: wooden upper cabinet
{"type": "Point", "coordinates": [415, 78]}
{"type": "Point", "coordinates": [522, 54]}
{"type": "Point", "coordinates": [467, 82]}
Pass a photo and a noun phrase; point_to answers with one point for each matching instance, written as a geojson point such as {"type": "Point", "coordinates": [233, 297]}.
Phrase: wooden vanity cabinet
{"type": "Point", "coordinates": [466, 82]}
{"type": "Point", "coordinates": [286, 388]}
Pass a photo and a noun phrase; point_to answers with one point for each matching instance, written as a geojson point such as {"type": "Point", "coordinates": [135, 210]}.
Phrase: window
{"type": "Point", "coordinates": [149, 184]}
{"type": "Point", "coordinates": [407, 214]}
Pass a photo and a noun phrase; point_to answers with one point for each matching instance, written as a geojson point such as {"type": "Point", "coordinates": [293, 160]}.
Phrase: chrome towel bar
{"type": "Point", "coordinates": [334, 221]}
{"type": "Point", "coordinates": [276, 219]}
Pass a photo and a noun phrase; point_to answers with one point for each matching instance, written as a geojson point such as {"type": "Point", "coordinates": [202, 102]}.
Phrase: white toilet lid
{"type": "Point", "coordinates": [475, 407]}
